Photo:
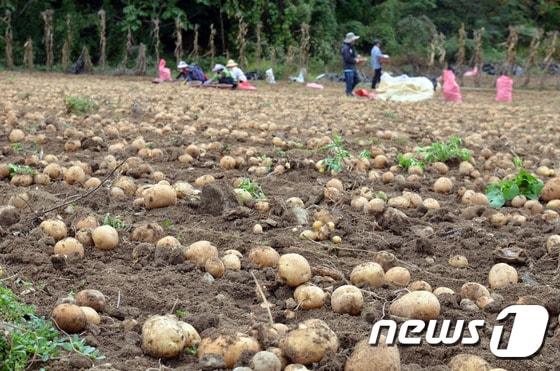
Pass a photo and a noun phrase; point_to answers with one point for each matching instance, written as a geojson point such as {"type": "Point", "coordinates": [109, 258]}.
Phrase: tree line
{"type": "Point", "coordinates": [133, 34]}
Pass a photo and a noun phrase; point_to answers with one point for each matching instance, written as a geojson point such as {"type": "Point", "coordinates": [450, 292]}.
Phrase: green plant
{"type": "Point", "coordinates": [80, 105]}
{"type": "Point", "coordinates": [17, 147]}
{"type": "Point", "coordinates": [115, 222]}
{"type": "Point", "coordinates": [27, 338]}
{"type": "Point", "coordinates": [166, 224]}
{"type": "Point", "coordinates": [389, 114]}
{"type": "Point", "coordinates": [192, 350]}
{"type": "Point", "coordinates": [407, 161]}
{"type": "Point", "coordinates": [20, 170]}
{"type": "Point", "coordinates": [253, 188]}
{"type": "Point", "coordinates": [336, 154]}
{"type": "Point", "coordinates": [440, 151]}
{"type": "Point", "coordinates": [381, 195]}
{"type": "Point", "coordinates": [181, 313]}
{"type": "Point", "coordinates": [365, 154]}
{"type": "Point", "coordinates": [524, 184]}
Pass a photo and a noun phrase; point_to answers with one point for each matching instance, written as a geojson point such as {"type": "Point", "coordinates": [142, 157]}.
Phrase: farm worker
{"type": "Point", "coordinates": [349, 60]}
{"type": "Point", "coordinates": [164, 73]}
{"type": "Point", "coordinates": [222, 76]}
{"type": "Point", "coordinates": [183, 68]}
{"type": "Point", "coordinates": [376, 59]}
{"type": "Point", "coordinates": [236, 71]}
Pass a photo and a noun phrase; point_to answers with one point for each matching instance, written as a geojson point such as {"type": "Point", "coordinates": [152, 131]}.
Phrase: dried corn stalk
{"type": "Point", "coordinates": [211, 44]}
{"type": "Point", "coordinates": [28, 53]}
{"type": "Point", "coordinates": [178, 34]}
{"type": "Point", "coordinates": [258, 45]}
{"type": "Point", "coordinates": [512, 40]}
{"type": "Point", "coordinates": [533, 50]}
{"type": "Point", "coordinates": [67, 46]}
{"type": "Point", "coordinates": [304, 46]}
{"type": "Point", "coordinates": [196, 48]}
{"type": "Point", "coordinates": [140, 68]}
{"type": "Point", "coordinates": [461, 52]}
{"type": "Point", "coordinates": [47, 16]}
{"type": "Point", "coordinates": [478, 53]}
{"type": "Point", "coordinates": [155, 37]}
{"type": "Point", "coordinates": [241, 39]}
{"type": "Point", "coordinates": [102, 39]}
{"type": "Point", "coordinates": [550, 51]}
{"type": "Point", "coordinates": [88, 65]}
{"type": "Point", "coordinates": [8, 39]}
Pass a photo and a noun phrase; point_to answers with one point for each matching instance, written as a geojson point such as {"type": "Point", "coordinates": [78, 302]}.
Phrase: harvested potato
{"type": "Point", "coordinates": [163, 337]}
{"type": "Point", "coordinates": [22, 180]}
{"type": "Point", "coordinates": [74, 174]}
{"type": "Point", "coordinates": [309, 342]}
{"type": "Point", "coordinates": [420, 286]}
{"type": "Point", "coordinates": [54, 228]}
{"type": "Point", "coordinates": [468, 362]}
{"type": "Point", "coordinates": [551, 190]}
{"type": "Point", "coordinates": [150, 233]}
{"type": "Point", "coordinates": [421, 305]}
{"type": "Point", "coordinates": [229, 347]}
{"type": "Point", "coordinates": [458, 261]}
{"type": "Point", "coordinates": [375, 206]}
{"type": "Point", "coordinates": [168, 242]}
{"type": "Point", "coordinates": [398, 277]}
{"type": "Point", "coordinates": [91, 298]}
{"type": "Point", "coordinates": [502, 275]}
{"type": "Point", "coordinates": [347, 299]}
{"type": "Point", "coordinates": [215, 267]}
{"type": "Point", "coordinates": [199, 252]}
{"type": "Point", "coordinates": [266, 361]}
{"type": "Point", "coordinates": [264, 256]}
{"type": "Point", "coordinates": [228, 163]}
{"type": "Point", "coordinates": [158, 196]}
{"type": "Point", "coordinates": [91, 315]}
{"type": "Point", "coordinates": [87, 222]}
{"type": "Point", "coordinates": [294, 269]}
{"type": "Point", "coordinates": [443, 185]}
{"type": "Point", "coordinates": [69, 246]}
{"type": "Point", "coordinates": [309, 297]}
{"type": "Point", "coordinates": [443, 290]}
{"type": "Point", "coordinates": [231, 262]}
{"type": "Point", "coordinates": [553, 244]}
{"type": "Point", "coordinates": [69, 317]}
{"type": "Point", "coordinates": [19, 201]}
{"type": "Point", "coordinates": [386, 259]}
{"type": "Point", "coordinates": [364, 356]}
{"type": "Point", "coordinates": [368, 274]}
{"type": "Point", "coordinates": [335, 183]}
{"type": "Point", "coordinates": [473, 291]}
{"type": "Point", "coordinates": [105, 237]}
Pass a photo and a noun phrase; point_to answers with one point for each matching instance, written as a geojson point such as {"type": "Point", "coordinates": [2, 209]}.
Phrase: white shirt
{"type": "Point", "coordinates": [238, 74]}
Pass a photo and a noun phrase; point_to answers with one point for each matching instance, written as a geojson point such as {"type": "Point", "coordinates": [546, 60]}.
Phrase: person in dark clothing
{"type": "Point", "coordinates": [183, 71]}
{"type": "Point", "coordinates": [350, 59]}
{"type": "Point", "coordinates": [376, 56]}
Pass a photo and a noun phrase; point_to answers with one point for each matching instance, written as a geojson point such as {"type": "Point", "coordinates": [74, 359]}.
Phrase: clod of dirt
{"type": "Point", "coordinates": [215, 198]}
{"type": "Point", "coordinates": [9, 215]}
{"type": "Point", "coordinates": [510, 255]}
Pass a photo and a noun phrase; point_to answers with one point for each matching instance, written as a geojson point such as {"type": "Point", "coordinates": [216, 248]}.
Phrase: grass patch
{"type": "Point", "coordinates": [80, 105]}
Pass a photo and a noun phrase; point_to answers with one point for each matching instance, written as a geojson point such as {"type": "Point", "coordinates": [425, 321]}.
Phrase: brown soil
{"type": "Point", "coordinates": [144, 283]}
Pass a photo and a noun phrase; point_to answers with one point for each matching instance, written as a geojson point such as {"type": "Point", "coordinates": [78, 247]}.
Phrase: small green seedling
{"type": "Point", "coordinates": [365, 154]}
{"type": "Point", "coordinates": [20, 170]}
{"type": "Point", "coordinates": [336, 154]}
{"type": "Point", "coordinates": [442, 152]}
{"type": "Point", "coordinates": [253, 188]}
{"type": "Point", "coordinates": [80, 105]}
{"type": "Point", "coordinates": [192, 350]}
{"type": "Point", "coordinates": [181, 313]}
{"type": "Point", "coordinates": [406, 162]}
{"type": "Point", "coordinates": [166, 224]}
{"type": "Point", "coordinates": [115, 222]}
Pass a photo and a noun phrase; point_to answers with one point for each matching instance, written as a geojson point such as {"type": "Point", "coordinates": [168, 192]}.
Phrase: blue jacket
{"type": "Point", "coordinates": [348, 56]}
{"type": "Point", "coordinates": [375, 56]}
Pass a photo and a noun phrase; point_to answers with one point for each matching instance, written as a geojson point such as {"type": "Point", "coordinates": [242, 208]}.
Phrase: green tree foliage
{"type": "Point", "coordinates": [404, 26]}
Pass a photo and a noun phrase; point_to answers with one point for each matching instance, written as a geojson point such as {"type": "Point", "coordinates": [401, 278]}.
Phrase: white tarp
{"type": "Point", "coordinates": [404, 89]}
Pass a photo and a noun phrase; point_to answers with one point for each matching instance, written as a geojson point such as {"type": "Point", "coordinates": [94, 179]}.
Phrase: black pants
{"type": "Point", "coordinates": [376, 78]}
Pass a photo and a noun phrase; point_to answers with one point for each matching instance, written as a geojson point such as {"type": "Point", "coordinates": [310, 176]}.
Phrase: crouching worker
{"type": "Point", "coordinates": [223, 78]}
{"type": "Point", "coordinates": [236, 71]}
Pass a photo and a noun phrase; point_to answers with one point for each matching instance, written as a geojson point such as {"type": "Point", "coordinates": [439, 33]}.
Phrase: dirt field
{"type": "Point", "coordinates": [139, 280]}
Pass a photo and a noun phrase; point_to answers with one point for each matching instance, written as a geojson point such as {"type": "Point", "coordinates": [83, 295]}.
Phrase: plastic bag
{"type": "Point", "coordinates": [504, 88]}
{"type": "Point", "coordinates": [270, 76]}
{"type": "Point", "coordinates": [164, 73]}
{"type": "Point", "coordinates": [471, 73]}
{"type": "Point", "coordinates": [451, 90]}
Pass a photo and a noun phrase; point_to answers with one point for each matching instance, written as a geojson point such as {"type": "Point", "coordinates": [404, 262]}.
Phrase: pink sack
{"type": "Point", "coordinates": [471, 73]}
{"type": "Point", "coordinates": [164, 73]}
{"type": "Point", "coordinates": [246, 86]}
{"type": "Point", "coordinates": [504, 87]}
{"type": "Point", "coordinates": [451, 90]}
{"type": "Point", "coordinates": [313, 85]}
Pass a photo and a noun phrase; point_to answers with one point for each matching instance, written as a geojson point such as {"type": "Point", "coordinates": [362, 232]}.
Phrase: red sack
{"type": "Point", "coordinates": [246, 86]}
{"type": "Point", "coordinates": [451, 90]}
{"type": "Point", "coordinates": [364, 93]}
{"type": "Point", "coordinates": [504, 88]}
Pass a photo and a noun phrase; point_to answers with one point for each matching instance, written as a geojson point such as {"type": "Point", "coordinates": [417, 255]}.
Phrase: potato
{"type": "Point", "coordinates": [386, 259]}
{"type": "Point", "coordinates": [296, 367]}
{"type": "Point", "coordinates": [554, 204]}
{"type": "Point", "coordinates": [359, 203]}
{"type": "Point", "coordinates": [87, 222]}
{"type": "Point", "coordinates": [199, 252]}
{"type": "Point", "coordinates": [168, 242]}
{"type": "Point", "coordinates": [147, 233]}
{"type": "Point", "coordinates": [126, 184]}
{"type": "Point", "coordinates": [309, 342]}
{"type": "Point", "coordinates": [227, 163]}
{"type": "Point", "coordinates": [534, 206]}
{"type": "Point", "coordinates": [387, 177]}
{"type": "Point", "coordinates": [191, 335]}
{"type": "Point", "coordinates": [443, 290]}
{"type": "Point", "coordinates": [22, 180]}
{"type": "Point", "coordinates": [54, 228]}
{"type": "Point", "coordinates": [105, 237]}
{"type": "Point", "coordinates": [16, 135]}
{"type": "Point", "coordinates": [229, 347]}
{"type": "Point", "coordinates": [91, 298]}
{"type": "Point", "coordinates": [69, 246]}
{"type": "Point", "coordinates": [430, 204]}
{"type": "Point", "coordinates": [502, 275]}
{"type": "Point", "coordinates": [91, 315]}
{"type": "Point", "coordinates": [184, 189]}
{"type": "Point", "coordinates": [160, 195]}
{"type": "Point", "coordinates": [215, 267]}
{"type": "Point", "coordinates": [19, 201]}
{"type": "Point", "coordinates": [368, 274]}
{"type": "Point", "coordinates": [335, 183]}
{"type": "Point", "coordinates": [468, 362]}
{"type": "Point", "coordinates": [443, 185]}
{"type": "Point", "coordinates": [380, 356]}
{"type": "Point", "coordinates": [309, 297]}
{"type": "Point", "coordinates": [231, 262]}
{"type": "Point", "coordinates": [69, 318]}
{"type": "Point", "coordinates": [74, 174]}
{"type": "Point", "coordinates": [518, 201]}
{"type": "Point", "coordinates": [399, 202]}
{"type": "Point", "coordinates": [375, 206]}
{"type": "Point", "coordinates": [204, 180]}
{"type": "Point", "coordinates": [421, 305]}
{"type": "Point", "coordinates": [92, 183]}
{"type": "Point", "coordinates": [553, 244]}
{"type": "Point", "coordinates": [398, 277]}
{"type": "Point", "coordinates": [266, 361]}
{"type": "Point", "coordinates": [551, 189]}
{"type": "Point", "coordinates": [458, 261]}
{"type": "Point", "coordinates": [473, 291]}
{"type": "Point", "coordinates": [294, 269]}
{"type": "Point", "coordinates": [163, 337]}
{"type": "Point", "coordinates": [347, 299]}
{"type": "Point", "coordinates": [420, 286]}
{"type": "Point", "coordinates": [264, 256]}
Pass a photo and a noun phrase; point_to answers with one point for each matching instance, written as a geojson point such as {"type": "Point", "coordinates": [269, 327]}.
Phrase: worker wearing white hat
{"type": "Point", "coordinates": [350, 58]}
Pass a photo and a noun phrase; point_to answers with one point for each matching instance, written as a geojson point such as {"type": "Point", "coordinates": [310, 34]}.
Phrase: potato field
{"type": "Point", "coordinates": [165, 227]}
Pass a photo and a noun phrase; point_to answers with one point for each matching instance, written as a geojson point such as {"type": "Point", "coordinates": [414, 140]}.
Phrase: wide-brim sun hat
{"type": "Point", "coordinates": [231, 63]}
{"type": "Point", "coordinates": [182, 64]}
{"type": "Point", "coordinates": [218, 67]}
{"type": "Point", "coordinates": [350, 37]}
